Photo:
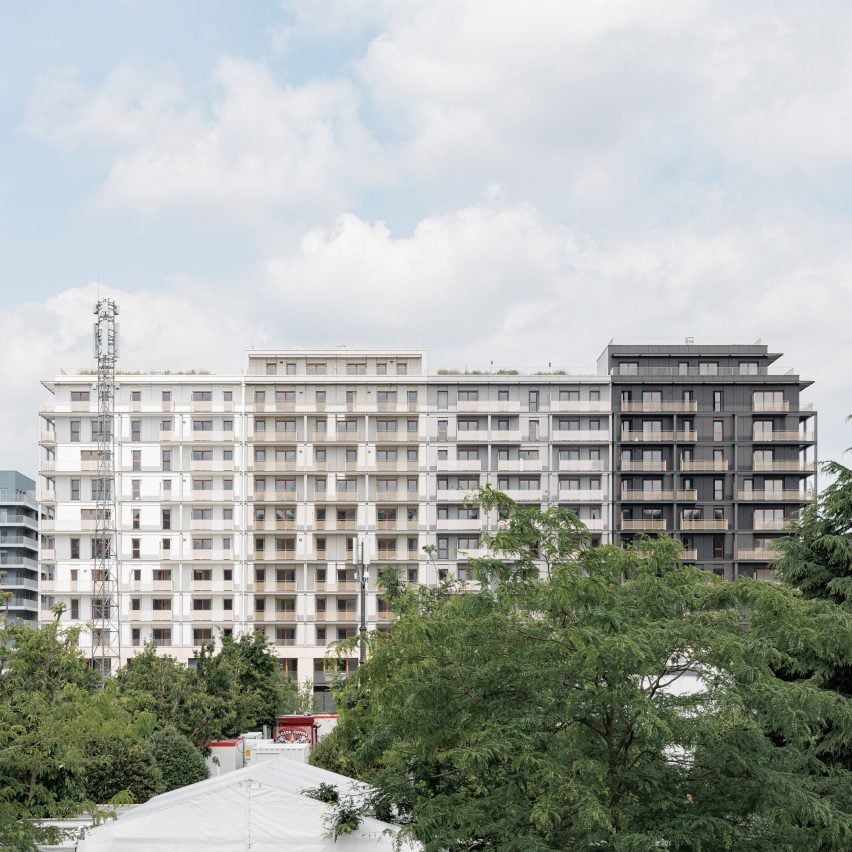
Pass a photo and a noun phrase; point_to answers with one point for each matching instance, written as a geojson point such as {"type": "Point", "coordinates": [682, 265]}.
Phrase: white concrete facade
{"type": "Point", "coordinates": [239, 497]}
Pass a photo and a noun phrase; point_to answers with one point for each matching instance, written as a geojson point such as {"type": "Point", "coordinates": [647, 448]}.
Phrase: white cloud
{"type": "Point", "coordinates": [264, 145]}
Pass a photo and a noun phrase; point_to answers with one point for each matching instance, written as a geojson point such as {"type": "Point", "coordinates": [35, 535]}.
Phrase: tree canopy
{"type": "Point", "coordinates": [622, 700]}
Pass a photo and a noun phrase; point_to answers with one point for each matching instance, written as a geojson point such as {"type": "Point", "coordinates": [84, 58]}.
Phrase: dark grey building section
{"type": "Point", "coordinates": [19, 545]}
{"type": "Point", "coordinates": [710, 447]}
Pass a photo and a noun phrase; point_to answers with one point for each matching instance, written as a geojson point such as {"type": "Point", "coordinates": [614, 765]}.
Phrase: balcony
{"type": "Point", "coordinates": [524, 495]}
{"type": "Point", "coordinates": [453, 495]}
{"type": "Point", "coordinates": [648, 437]}
{"type": "Point", "coordinates": [582, 495]}
{"type": "Point", "coordinates": [763, 555]}
{"type": "Point", "coordinates": [703, 524]}
{"type": "Point", "coordinates": [666, 406]}
{"type": "Point", "coordinates": [703, 466]}
{"type": "Point", "coordinates": [687, 437]}
{"type": "Point", "coordinates": [391, 437]}
{"type": "Point", "coordinates": [349, 616]}
{"type": "Point", "coordinates": [580, 436]}
{"type": "Point", "coordinates": [46, 555]}
{"type": "Point", "coordinates": [581, 465]}
{"type": "Point", "coordinates": [498, 436]}
{"type": "Point", "coordinates": [629, 496]}
{"type": "Point", "coordinates": [463, 465]}
{"type": "Point", "coordinates": [47, 436]}
{"type": "Point", "coordinates": [276, 497]}
{"type": "Point", "coordinates": [46, 495]}
{"type": "Point", "coordinates": [454, 524]}
{"type": "Point", "coordinates": [210, 436]}
{"type": "Point", "coordinates": [520, 465]}
{"type": "Point", "coordinates": [783, 437]}
{"type": "Point", "coordinates": [401, 524]}
{"type": "Point", "coordinates": [773, 524]}
{"type": "Point", "coordinates": [593, 406]}
{"type": "Point", "coordinates": [593, 524]}
{"type": "Point", "coordinates": [768, 407]}
{"type": "Point", "coordinates": [644, 524]}
{"type": "Point", "coordinates": [783, 466]}
{"type": "Point", "coordinates": [687, 494]}
{"type": "Point", "coordinates": [690, 555]}
{"type": "Point", "coordinates": [775, 496]}
{"type": "Point", "coordinates": [275, 437]}
{"type": "Point", "coordinates": [643, 466]}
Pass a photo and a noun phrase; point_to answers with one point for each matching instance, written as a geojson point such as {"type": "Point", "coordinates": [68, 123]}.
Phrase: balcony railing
{"type": "Point", "coordinates": [769, 407]}
{"type": "Point", "coordinates": [775, 524]}
{"type": "Point", "coordinates": [687, 494]}
{"type": "Point", "coordinates": [781, 436]}
{"type": "Point", "coordinates": [690, 555]}
{"type": "Point", "coordinates": [764, 555]}
{"type": "Point", "coordinates": [783, 466]}
{"type": "Point", "coordinates": [649, 437]}
{"type": "Point", "coordinates": [673, 406]}
{"type": "Point", "coordinates": [643, 466]}
{"type": "Point", "coordinates": [641, 524]}
{"type": "Point", "coordinates": [581, 465]}
{"type": "Point", "coordinates": [629, 495]}
{"type": "Point", "coordinates": [774, 496]}
{"type": "Point", "coordinates": [688, 436]}
{"type": "Point", "coordinates": [704, 523]}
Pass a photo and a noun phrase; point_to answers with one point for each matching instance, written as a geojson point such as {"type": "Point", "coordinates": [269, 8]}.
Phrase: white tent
{"type": "Point", "coordinates": [260, 807]}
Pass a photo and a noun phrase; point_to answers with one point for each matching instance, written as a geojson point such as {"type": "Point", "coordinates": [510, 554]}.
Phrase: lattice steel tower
{"type": "Point", "coordinates": [106, 612]}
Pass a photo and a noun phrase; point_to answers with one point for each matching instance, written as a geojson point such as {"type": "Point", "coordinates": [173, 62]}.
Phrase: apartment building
{"type": "Point", "coordinates": [19, 546]}
{"type": "Point", "coordinates": [710, 447]}
{"type": "Point", "coordinates": [241, 501]}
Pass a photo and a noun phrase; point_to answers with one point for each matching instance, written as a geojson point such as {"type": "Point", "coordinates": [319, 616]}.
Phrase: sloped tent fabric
{"type": "Point", "coordinates": [259, 808]}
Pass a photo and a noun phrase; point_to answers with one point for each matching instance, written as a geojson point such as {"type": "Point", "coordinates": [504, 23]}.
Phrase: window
{"type": "Point", "coordinates": [718, 430]}
{"type": "Point", "coordinates": [136, 460]}
{"type": "Point", "coordinates": [443, 547]}
{"type": "Point", "coordinates": [383, 397]}
{"type": "Point", "coordinates": [166, 548]}
{"type": "Point", "coordinates": [595, 395]}
{"type": "Point", "coordinates": [320, 397]}
{"type": "Point", "coordinates": [411, 426]}
{"type": "Point", "coordinates": [717, 400]}
{"type": "Point", "coordinates": [227, 603]}
{"type": "Point", "coordinates": [166, 459]}
{"type": "Point", "coordinates": [135, 604]}
{"type": "Point", "coordinates": [201, 544]}
{"type": "Point", "coordinates": [718, 489]}
{"type": "Point", "coordinates": [356, 369]}
{"type": "Point", "coordinates": [167, 519]}
{"type": "Point", "coordinates": [135, 489]}
{"type": "Point", "coordinates": [533, 400]}
{"type": "Point", "coordinates": [442, 430]}
{"type": "Point", "coordinates": [75, 608]}
{"type": "Point", "coordinates": [708, 368]}
{"type": "Point", "coordinates": [161, 604]}
{"type": "Point", "coordinates": [381, 368]}
{"type": "Point", "coordinates": [202, 396]}
{"type": "Point", "coordinates": [503, 395]}
{"type": "Point", "coordinates": [718, 547]}
{"type": "Point", "coordinates": [316, 368]}
{"type": "Point", "coordinates": [228, 396]}
{"type": "Point", "coordinates": [227, 425]}
{"type": "Point", "coordinates": [768, 401]}
{"type": "Point", "coordinates": [401, 368]}
{"type": "Point", "coordinates": [166, 425]}
{"type": "Point", "coordinates": [411, 396]}
{"type": "Point", "coordinates": [75, 431]}
{"type": "Point", "coordinates": [443, 399]}
{"type": "Point", "coordinates": [79, 396]}
{"type": "Point", "coordinates": [161, 636]}
{"type": "Point", "coordinates": [166, 396]}
{"type": "Point", "coordinates": [134, 518]}
{"type": "Point", "coordinates": [75, 548]}
{"type": "Point", "coordinates": [683, 368]}
{"type": "Point", "coordinates": [202, 604]}
{"type": "Point", "coordinates": [135, 430]}
{"type": "Point", "coordinates": [202, 635]}
{"type": "Point", "coordinates": [628, 368]}
{"type": "Point", "coordinates": [748, 368]}
{"type": "Point", "coordinates": [468, 395]}
{"type": "Point", "coordinates": [290, 368]}
{"type": "Point", "coordinates": [260, 396]}
{"type": "Point", "coordinates": [75, 489]}
{"type": "Point", "coordinates": [202, 425]}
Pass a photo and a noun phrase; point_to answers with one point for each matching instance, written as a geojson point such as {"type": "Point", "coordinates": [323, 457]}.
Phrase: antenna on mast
{"type": "Point", "coordinates": [106, 612]}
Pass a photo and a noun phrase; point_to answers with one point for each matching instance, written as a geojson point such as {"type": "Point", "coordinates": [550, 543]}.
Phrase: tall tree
{"type": "Point", "coordinates": [552, 714]}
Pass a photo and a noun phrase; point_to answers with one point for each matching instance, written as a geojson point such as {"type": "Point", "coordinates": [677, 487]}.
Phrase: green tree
{"type": "Point", "coordinates": [243, 676]}
{"type": "Point", "coordinates": [816, 559]}
{"type": "Point", "coordinates": [178, 760]}
{"type": "Point", "coordinates": [45, 689]}
{"type": "Point", "coordinates": [164, 689]}
{"type": "Point", "coordinates": [543, 714]}
{"type": "Point", "coordinates": [118, 764]}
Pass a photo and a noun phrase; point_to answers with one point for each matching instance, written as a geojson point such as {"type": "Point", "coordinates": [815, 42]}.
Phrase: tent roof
{"type": "Point", "coordinates": [260, 807]}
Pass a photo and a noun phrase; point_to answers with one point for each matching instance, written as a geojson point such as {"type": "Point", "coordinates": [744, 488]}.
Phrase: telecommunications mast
{"type": "Point", "coordinates": [106, 636]}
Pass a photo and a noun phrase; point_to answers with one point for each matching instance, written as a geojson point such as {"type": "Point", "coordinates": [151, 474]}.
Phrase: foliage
{"type": "Point", "coordinates": [178, 760]}
{"type": "Point", "coordinates": [120, 765]}
{"type": "Point", "coordinates": [324, 793]}
{"type": "Point", "coordinates": [816, 559]}
{"type": "Point", "coordinates": [243, 678]}
{"type": "Point", "coordinates": [547, 713]}
{"type": "Point", "coordinates": [170, 693]}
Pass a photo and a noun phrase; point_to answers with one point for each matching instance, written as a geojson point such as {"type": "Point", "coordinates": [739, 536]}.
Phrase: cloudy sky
{"type": "Point", "coordinates": [489, 180]}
